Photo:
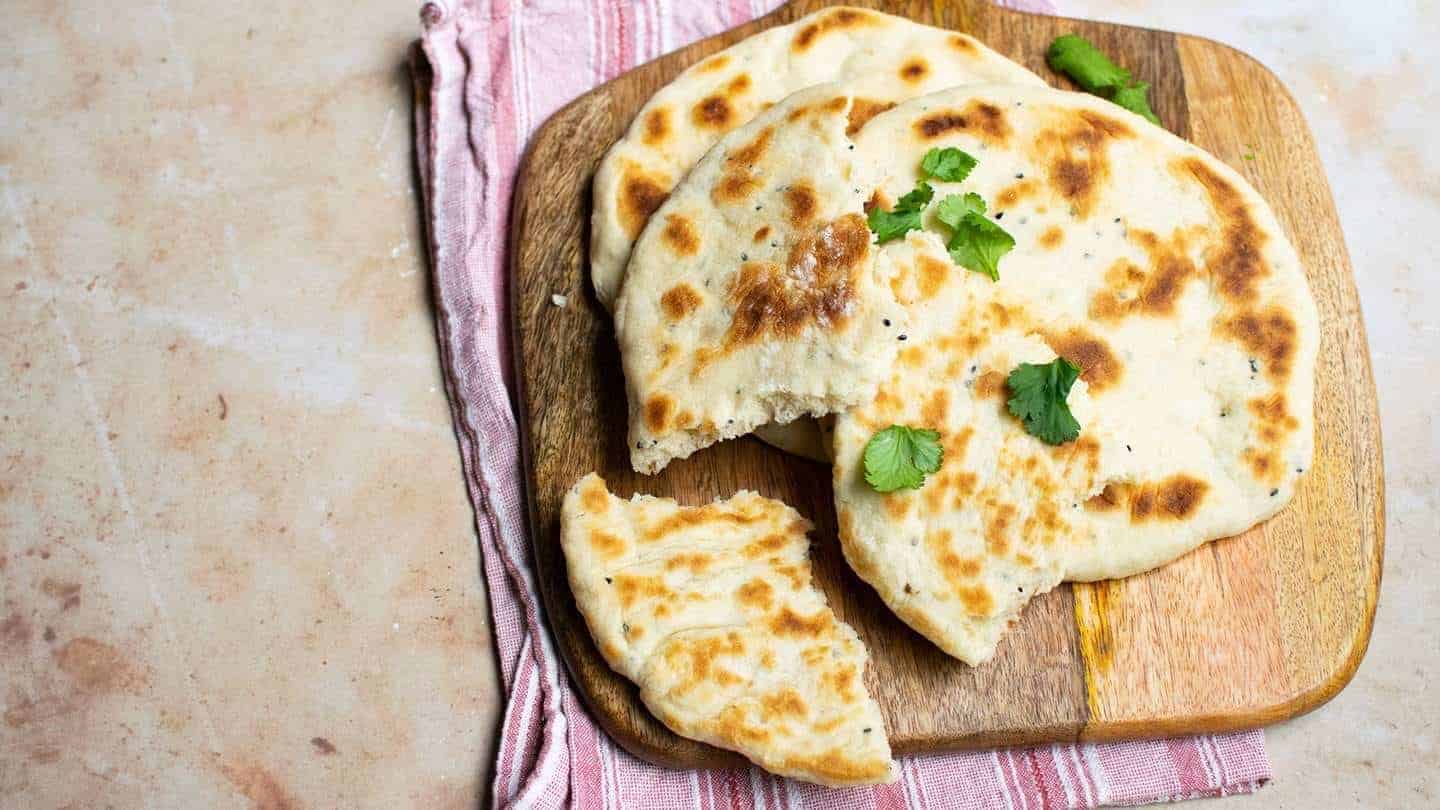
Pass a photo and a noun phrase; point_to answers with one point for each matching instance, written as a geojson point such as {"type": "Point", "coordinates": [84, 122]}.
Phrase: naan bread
{"type": "Point", "coordinates": [711, 611]}
{"type": "Point", "coordinates": [1151, 265]}
{"type": "Point", "coordinates": [884, 59]}
{"type": "Point", "coordinates": [752, 295]}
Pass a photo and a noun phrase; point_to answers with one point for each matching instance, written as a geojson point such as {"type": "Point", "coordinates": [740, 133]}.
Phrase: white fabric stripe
{"type": "Point", "coordinates": [757, 794]}
{"type": "Point", "coordinates": [1219, 759]}
{"type": "Point", "coordinates": [695, 788]}
{"type": "Point", "coordinates": [591, 57]}
{"type": "Point", "coordinates": [554, 762]}
{"type": "Point", "coordinates": [1205, 759]}
{"type": "Point", "coordinates": [531, 678]}
{"type": "Point", "coordinates": [907, 784]}
{"type": "Point", "coordinates": [667, 31]}
{"type": "Point", "coordinates": [1097, 773]}
{"type": "Point", "coordinates": [1212, 758]}
{"type": "Point", "coordinates": [1061, 770]}
{"type": "Point", "coordinates": [1015, 778]}
{"type": "Point", "coordinates": [792, 795]}
{"type": "Point", "coordinates": [1073, 752]}
{"type": "Point", "coordinates": [1000, 778]}
{"type": "Point", "coordinates": [519, 72]}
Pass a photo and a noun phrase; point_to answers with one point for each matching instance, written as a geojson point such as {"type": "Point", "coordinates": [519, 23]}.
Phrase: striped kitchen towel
{"type": "Point", "coordinates": [488, 72]}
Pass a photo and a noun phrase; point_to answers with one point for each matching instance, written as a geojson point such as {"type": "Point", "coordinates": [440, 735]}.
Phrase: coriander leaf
{"type": "Point", "coordinates": [900, 457]}
{"type": "Point", "coordinates": [1038, 400]}
{"type": "Point", "coordinates": [904, 217]}
{"type": "Point", "coordinates": [978, 245]}
{"type": "Point", "coordinates": [1078, 58]}
{"type": "Point", "coordinates": [954, 207]}
{"type": "Point", "coordinates": [949, 164]}
{"type": "Point", "coordinates": [1133, 98]}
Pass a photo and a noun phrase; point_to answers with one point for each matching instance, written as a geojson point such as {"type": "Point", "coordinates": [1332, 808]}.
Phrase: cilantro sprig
{"type": "Point", "coordinates": [1038, 399]}
{"type": "Point", "coordinates": [976, 243]}
{"type": "Point", "coordinates": [949, 164]}
{"type": "Point", "coordinates": [904, 217]}
{"type": "Point", "coordinates": [899, 457]}
{"type": "Point", "coordinates": [1078, 58]}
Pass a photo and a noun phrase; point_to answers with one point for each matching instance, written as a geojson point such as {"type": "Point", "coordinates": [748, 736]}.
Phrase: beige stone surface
{"type": "Point", "coordinates": [1361, 72]}
{"type": "Point", "coordinates": [237, 564]}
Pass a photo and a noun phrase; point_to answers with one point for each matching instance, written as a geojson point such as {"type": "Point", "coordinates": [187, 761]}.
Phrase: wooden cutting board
{"type": "Point", "coordinates": [1239, 633]}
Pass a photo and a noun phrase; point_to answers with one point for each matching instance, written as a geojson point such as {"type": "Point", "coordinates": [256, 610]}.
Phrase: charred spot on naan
{"type": "Point", "coordinates": [786, 703]}
{"type": "Point", "coordinates": [607, 545]}
{"type": "Point", "coordinates": [815, 288]}
{"type": "Point", "coordinates": [695, 562]}
{"type": "Point", "coordinates": [1236, 259]}
{"type": "Point", "coordinates": [1270, 334]}
{"type": "Point", "coordinates": [980, 119]}
{"type": "Point", "coordinates": [757, 593]}
{"type": "Point", "coordinates": [840, 19]}
{"type": "Point", "coordinates": [1100, 368]}
{"type": "Point", "coordinates": [786, 622]}
{"type": "Point", "coordinates": [679, 301]}
{"type": "Point", "coordinates": [801, 203]}
{"type": "Point", "coordinates": [932, 276]}
{"type": "Point", "coordinates": [914, 69]}
{"type": "Point", "coordinates": [1074, 151]}
{"type": "Point", "coordinates": [658, 409]}
{"type": "Point", "coordinates": [641, 193]}
{"type": "Point", "coordinates": [964, 44]}
{"type": "Point", "coordinates": [657, 127]}
{"type": "Point", "coordinates": [1016, 192]}
{"type": "Point", "coordinates": [862, 110]}
{"type": "Point", "coordinates": [713, 112]}
{"type": "Point", "coordinates": [990, 384]}
{"type": "Point", "coordinates": [769, 544]}
{"type": "Point", "coordinates": [700, 515]}
{"type": "Point", "coordinates": [699, 660]}
{"type": "Point", "coordinates": [1051, 237]}
{"type": "Point", "coordinates": [1177, 497]}
{"type": "Point", "coordinates": [681, 235]}
{"type": "Point", "coordinates": [594, 497]}
{"type": "Point", "coordinates": [1131, 290]}
{"type": "Point", "coordinates": [741, 175]}
{"type": "Point", "coordinates": [1271, 424]}
{"type": "Point", "coordinates": [762, 233]}
{"type": "Point", "coordinates": [632, 588]}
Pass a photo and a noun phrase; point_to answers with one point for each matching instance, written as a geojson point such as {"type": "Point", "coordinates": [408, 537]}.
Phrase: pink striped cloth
{"type": "Point", "coordinates": [488, 73]}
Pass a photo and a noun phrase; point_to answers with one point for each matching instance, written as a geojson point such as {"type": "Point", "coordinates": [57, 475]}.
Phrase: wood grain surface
{"type": "Point", "coordinates": [1239, 633]}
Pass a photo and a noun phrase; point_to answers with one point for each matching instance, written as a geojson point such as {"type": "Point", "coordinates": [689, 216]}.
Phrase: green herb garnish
{"type": "Point", "coordinates": [1078, 58]}
{"type": "Point", "coordinates": [1038, 400]}
{"type": "Point", "coordinates": [978, 244]}
{"type": "Point", "coordinates": [900, 457]}
{"type": "Point", "coordinates": [949, 164]}
{"type": "Point", "coordinates": [904, 217]}
{"type": "Point", "coordinates": [954, 207]}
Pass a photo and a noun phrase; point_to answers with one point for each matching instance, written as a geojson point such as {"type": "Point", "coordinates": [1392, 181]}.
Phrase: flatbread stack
{"type": "Point", "coordinates": [711, 612]}
{"type": "Point", "coordinates": [883, 59]}
{"type": "Point", "coordinates": [1146, 262]}
{"type": "Point", "coordinates": [758, 265]}
{"type": "Point", "coordinates": [756, 290]}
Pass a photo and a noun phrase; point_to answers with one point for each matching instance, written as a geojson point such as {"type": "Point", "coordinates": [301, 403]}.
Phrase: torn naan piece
{"type": "Point", "coordinates": [884, 59]}
{"type": "Point", "coordinates": [711, 611]}
{"type": "Point", "coordinates": [752, 295]}
{"type": "Point", "coordinates": [1150, 265]}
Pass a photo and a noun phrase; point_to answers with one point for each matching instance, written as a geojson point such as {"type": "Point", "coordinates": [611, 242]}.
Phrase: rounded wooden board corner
{"type": "Point", "coordinates": [1320, 570]}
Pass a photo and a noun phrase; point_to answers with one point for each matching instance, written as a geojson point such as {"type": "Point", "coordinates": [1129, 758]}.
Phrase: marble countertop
{"type": "Point", "coordinates": [237, 563]}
